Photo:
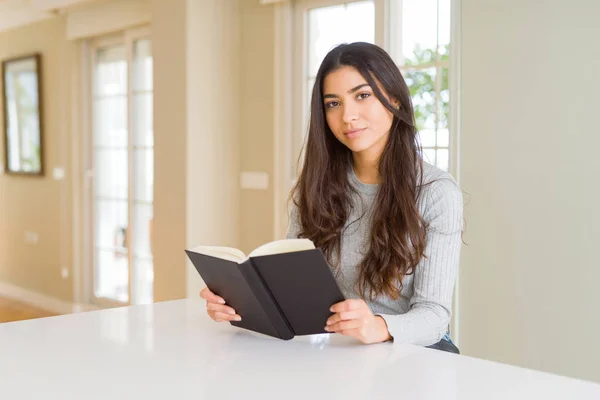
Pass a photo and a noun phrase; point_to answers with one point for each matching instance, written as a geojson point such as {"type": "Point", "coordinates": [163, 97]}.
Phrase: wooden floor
{"type": "Point", "coordinates": [11, 310]}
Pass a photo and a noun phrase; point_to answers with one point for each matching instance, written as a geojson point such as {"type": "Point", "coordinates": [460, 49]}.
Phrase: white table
{"type": "Point", "coordinates": [172, 350]}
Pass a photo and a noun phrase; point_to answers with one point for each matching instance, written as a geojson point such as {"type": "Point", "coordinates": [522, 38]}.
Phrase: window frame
{"type": "Point", "coordinates": [127, 38]}
{"type": "Point", "coordinates": [395, 50]}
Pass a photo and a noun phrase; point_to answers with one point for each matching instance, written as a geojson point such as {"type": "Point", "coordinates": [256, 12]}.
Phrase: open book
{"type": "Point", "coordinates": [236, 255]}
{"type": "Point", "coordinates": [281, 289]}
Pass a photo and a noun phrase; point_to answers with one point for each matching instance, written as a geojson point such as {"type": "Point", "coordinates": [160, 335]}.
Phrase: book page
{"type": "Point", "coordinates": [283, 246]}
{"type": "Point", "coordinates": [226, 253]}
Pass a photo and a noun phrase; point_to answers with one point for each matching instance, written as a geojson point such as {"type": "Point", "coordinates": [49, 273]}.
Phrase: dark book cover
{"type": "Point", "coordinates": [280, 295]}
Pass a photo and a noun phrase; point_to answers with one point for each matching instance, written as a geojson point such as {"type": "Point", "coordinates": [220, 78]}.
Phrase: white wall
{"type": "Point", "coordinates": [529, 162]}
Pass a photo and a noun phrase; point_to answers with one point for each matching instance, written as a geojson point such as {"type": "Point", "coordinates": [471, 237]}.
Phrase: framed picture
{"type": "Point", "coordinates": [21, 96]}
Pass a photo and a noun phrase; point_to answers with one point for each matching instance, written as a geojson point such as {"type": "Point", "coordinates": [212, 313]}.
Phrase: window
{"type": "Point", "coordinates": [122, 167]}
{"type": "Point", "coordinates": [330, 26]}
{"type": "Point", "coordinates": [325, 24]}
{"type": "Point", "coordinates": [420, 45]}
{"type": "Point", "coordinates": [416, 33]}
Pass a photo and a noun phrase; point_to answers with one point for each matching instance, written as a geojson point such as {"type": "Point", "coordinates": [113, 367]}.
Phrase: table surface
{"type": "Point", "coordinates": [173, 350]}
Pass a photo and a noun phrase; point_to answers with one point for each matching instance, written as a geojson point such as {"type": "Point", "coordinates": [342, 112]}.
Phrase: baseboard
{"type": "Point", "coordinates": [42, 301]}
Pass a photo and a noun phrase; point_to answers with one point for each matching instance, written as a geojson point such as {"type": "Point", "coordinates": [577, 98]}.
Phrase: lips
{"type": "Point", "coordinates": [352, 133]}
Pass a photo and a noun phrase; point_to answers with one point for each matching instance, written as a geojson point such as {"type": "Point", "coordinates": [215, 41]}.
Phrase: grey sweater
{"type": "Point", "coordinates": [422, 312]}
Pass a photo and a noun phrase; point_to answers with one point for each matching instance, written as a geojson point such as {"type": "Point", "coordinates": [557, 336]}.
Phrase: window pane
{"type": "Point", "coordinates": [144, 175]}
{"type": "Point", "coordinates": [110, 121]}
{"type": "Point", "coordinates": [444, 28]}
{"type": "Point", "coordinates": [111, 276]}
{"type": "Point", "coordinates": [111, 71]}
{"type": "Point", "coordinates": [443, 100]}
{"type": "Point", "coordinates": [142, 65]}
{"type": "Point", "coordinates": [330, 26]}
{"type": "Point", "coordinates": [111, 173]}
{"type": "Point", "coordinates": [429, 156]}
{"type": "Point", "coordinates": [111, 264]}
{"type": "Point", "coordinates": [427, 137]}
{"type": "Point", "coordinates": [111, 225]}
{"type": "Point", "coordinates": [323, 34]}
{"type": "Point", "coordinates": [419, 31]}
{"type": "Point", "coordinates": [142, 118]}
{"type": "Point", "coordinates": [421, 83]}
{"type": "Point", "coordinates": [442, 159]}
{"type": "Point", "coordinates": [443, 138]}
{"type": "Point", "coordinates": [360, 22]}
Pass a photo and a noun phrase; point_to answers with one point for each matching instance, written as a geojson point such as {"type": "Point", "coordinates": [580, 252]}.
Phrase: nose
{"type": "Point", "coordinates": [350, 113]}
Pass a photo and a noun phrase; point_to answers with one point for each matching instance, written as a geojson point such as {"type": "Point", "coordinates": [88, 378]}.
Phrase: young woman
{"type": "Point", "coordinates": [389, 223]}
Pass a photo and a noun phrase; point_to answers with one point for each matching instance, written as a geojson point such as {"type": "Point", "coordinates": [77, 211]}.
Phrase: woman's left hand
{"type": "Point", "coordinates": [354, 318]}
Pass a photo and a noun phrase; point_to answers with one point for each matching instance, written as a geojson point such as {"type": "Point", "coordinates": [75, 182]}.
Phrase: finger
{"type": "Point", "coordinates": [355, 333]}
{"type": "Point", "coordinates": [343, 316]}
{"type": "Point", "coordinates": [347, 305]}
{"type": "Point", "coordinates": [222, 317]}
{"type": "Point", "coordinates": [219, 308]}
{"type": "Point", "coordinates": [207, 295]}
{"type": "Point", "coordinates": [345, 325]}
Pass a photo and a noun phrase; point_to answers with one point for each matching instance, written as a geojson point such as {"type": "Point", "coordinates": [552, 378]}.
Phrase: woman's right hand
{"type": "Point", "coordinates": [216, 308]}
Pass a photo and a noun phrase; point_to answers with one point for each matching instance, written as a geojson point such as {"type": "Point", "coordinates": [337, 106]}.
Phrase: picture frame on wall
{"type": "Point", "coordinates": [22, 115]}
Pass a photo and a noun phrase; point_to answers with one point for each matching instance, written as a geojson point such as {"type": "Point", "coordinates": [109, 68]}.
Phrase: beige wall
{"type": "Point", "coordinates": [44, 205]}
{"type": "Point", "coordinates": [40, 205]}
{"type": "Point", "coordinates": [257, 121]}
{"type": "Point", "coordinates": [213, 131]}
{"type": "Point", "coordinates": [170, 128]}
{"type": "Point", "coordinates": [529, 161]}
{"type": "Point", "coordinates": [200, 129]}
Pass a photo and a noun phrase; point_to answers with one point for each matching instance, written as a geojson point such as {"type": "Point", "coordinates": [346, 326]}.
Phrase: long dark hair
{"type": "Point", "coordinates": [322, 193]}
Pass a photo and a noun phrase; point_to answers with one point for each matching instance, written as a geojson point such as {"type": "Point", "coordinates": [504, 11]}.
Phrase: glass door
{"type": "Point", "coordinates": [121, 169]}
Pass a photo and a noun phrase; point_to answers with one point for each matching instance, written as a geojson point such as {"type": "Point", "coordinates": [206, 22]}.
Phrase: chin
{"type": "Point", "coordinates": [358, 146]}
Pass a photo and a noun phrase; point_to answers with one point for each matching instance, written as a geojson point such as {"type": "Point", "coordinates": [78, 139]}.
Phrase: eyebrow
{"type": "Point", "coordinates": [354, 89]}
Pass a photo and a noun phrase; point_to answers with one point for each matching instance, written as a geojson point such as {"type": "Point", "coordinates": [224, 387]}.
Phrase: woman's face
{"type": "Point", "coordinates": [354, 114]}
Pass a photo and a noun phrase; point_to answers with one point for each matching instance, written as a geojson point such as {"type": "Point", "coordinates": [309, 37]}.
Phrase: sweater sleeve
{"type": "Point", "coordinates": [427, 320]}
{"type": "Point", "coordinates": [293, 229]}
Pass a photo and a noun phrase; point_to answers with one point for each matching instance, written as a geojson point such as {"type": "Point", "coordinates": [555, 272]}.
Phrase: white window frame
{"type": "Point", "coordinates": [126, 37]}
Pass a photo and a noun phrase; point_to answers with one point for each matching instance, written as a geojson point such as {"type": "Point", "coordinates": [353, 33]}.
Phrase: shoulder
{"type": "Point", "coordinates": [436, 180]}
{"type": "Point", "coordinates": [440, 199]}
{"type": "Point", "coordinates": [431, 174]}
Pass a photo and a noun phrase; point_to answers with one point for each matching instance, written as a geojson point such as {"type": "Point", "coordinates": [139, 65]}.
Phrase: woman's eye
{"type": "Point", "coordinates": [331, 104]}
{"type": "Point", "coordinates": [363, 96]}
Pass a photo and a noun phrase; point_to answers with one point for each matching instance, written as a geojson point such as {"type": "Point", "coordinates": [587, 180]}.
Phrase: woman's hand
{"type": "Point", "coordinates": [216, 308]}
{"type": "Point", "coordinates": [354, 318]}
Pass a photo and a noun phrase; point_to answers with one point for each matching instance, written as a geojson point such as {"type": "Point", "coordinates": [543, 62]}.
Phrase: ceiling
{"type": "Point", "coordinates": [16, 13]}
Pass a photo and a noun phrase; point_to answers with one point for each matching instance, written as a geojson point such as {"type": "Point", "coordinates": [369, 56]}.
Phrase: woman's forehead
{"type": "Point", "coordinates": [343, 79]}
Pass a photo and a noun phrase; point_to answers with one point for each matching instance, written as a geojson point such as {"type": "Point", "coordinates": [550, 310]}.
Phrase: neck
{"type": "Point", "coordinates": [366, 168]}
